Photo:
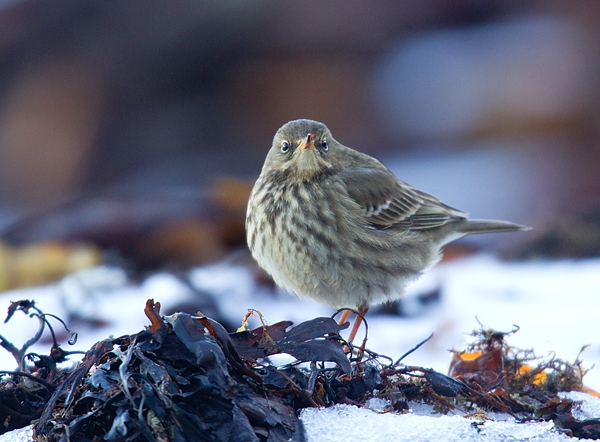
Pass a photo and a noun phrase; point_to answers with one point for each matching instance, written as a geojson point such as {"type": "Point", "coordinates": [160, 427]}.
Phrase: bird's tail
{"type": "Point", "coordinates": [469, 226]}
{"type": "Point", "coordinates": [453, 231]}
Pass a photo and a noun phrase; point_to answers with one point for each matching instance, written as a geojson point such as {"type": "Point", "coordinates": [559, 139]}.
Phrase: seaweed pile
{"type": "Point", "coordinates": [186, 378]}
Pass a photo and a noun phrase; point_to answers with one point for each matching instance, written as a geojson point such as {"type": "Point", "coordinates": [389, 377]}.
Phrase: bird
{"type": "Point", "coordinates": [333, 224]}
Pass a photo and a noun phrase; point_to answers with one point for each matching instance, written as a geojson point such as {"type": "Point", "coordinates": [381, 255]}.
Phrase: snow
{"type": "Point", "coordinates": [21, 435]}
{"type": "Point", "coordinates": [555, 304]}
{"type": "Point", "coordinates": [345, 422]}
{"type": "Point", "coordinates": [587, 407]}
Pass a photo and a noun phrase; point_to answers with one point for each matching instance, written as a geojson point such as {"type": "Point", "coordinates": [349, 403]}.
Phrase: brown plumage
{"type": "Point", "coordinates": [333, 224]}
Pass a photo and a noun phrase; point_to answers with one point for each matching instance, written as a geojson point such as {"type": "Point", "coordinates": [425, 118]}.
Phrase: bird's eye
{"type": "Point", "coordinates": [285, 146]}
{"type": "Point", "coordinates": [324, 144]}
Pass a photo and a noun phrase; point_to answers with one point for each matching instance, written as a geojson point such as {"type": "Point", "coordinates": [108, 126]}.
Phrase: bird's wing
{"type": "Point", "coordinates": [388, 202]}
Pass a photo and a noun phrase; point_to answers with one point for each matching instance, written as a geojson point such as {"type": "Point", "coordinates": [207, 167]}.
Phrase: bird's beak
{"type": "Point", "coordinates": [308, 142]}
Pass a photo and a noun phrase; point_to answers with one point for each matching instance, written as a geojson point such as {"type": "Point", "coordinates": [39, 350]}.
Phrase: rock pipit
{"type": "Point", "coordinates": [333, 224]}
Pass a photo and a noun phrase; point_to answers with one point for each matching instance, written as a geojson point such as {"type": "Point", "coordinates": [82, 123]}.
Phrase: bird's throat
{"type": "Point", "coordinates": [309, 164]}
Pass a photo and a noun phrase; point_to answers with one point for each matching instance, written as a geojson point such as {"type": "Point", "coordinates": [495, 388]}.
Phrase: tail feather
{"type": "Point", "coordinates": [489, 226]}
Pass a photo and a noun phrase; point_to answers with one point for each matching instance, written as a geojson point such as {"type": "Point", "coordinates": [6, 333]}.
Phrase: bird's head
{"type": "Point", "coordinates": [302, 149]}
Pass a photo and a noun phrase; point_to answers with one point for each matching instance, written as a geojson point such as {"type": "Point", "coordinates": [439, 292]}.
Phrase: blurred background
{"type": "Point", "coordinates": [139, 127]}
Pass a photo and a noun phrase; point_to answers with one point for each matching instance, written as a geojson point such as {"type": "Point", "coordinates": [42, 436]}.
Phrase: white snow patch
{"type": "Point", "coordinates": [347, 422]}
{"type": "Point", "coordinates": [587, 407]}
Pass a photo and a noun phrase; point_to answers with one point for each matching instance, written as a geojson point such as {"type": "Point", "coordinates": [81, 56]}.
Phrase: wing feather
{"type": "Point", "coordinates": [391, 203]}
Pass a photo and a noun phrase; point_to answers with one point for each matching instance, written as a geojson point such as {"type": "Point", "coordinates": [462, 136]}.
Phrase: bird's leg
{"type": "Point", "coordinates": [362, 311]}
{"type": "Point", "coordinates": [344, 316]}
{"type": "Point", "coordinates": [341, 321]}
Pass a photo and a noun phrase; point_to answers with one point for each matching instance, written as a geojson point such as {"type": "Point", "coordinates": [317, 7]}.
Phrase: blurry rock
{"type": "Point", "coordinates": [572, 235]}
{"type": "Point", "coordinates": [176, 226]}
{"type": "Point", "coordinates": [186, 242]}
{"type": "Point", "coordinates": [233, 194]}
{"type": "Point", "coordinates": [208, 237]}
{"type": "Point", "coordinates": [48, 123]}
{"type": "Point", "coordinates": [41, 263]}
{"type": "Point", "coordinates": [528, 74]}
{"type": "Point", "coordinates": [323, 86]}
